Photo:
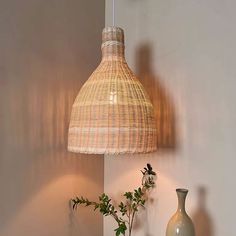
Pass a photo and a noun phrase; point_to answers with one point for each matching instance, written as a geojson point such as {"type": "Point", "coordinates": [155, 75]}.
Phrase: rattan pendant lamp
{"type": "Point", "coordinates": [112, 114]}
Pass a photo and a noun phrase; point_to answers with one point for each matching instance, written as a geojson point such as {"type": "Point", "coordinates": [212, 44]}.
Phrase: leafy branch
{"type": "Point", "coordinates": [126, 212]}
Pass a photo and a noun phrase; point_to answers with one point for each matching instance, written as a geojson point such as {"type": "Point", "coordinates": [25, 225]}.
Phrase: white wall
{"type": "Point", "coordinates": [184, 52]}
{"type": "Point", "coordinates": [47, 50]}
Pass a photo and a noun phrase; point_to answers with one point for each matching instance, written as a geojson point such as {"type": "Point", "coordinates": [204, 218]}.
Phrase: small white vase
{"type": "Point", "coordinates": [180, 223]}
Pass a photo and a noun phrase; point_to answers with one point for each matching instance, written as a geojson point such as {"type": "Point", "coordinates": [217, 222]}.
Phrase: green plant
{"type": "Point", "coordinates": [126, 212]}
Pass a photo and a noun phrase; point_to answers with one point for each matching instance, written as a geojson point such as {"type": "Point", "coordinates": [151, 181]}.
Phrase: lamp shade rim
{"type": "Point", "coordinates": [107, 151]}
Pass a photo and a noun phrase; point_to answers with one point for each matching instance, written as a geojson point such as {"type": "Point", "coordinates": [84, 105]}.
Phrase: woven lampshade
{"type": "Point", "coordinates": [112, 113]}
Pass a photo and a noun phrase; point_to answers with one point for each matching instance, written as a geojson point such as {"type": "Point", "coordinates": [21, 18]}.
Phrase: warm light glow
{"type": "Point", "coordinates": [54, 196]}
{"type": "Point", "coordinates": [113, 98]}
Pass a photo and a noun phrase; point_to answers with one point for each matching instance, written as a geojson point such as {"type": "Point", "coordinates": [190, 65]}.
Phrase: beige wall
{"type": "Point", "coordinates": [47, 50]}
{"type": "Point", "coordinates": [184, 52]}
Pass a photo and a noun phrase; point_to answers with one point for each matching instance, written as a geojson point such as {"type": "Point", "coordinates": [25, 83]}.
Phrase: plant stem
{"type": "Point", "coordinates": [131, 225]}
{"type": "Point", "coordinates": [129, 219]}
{"type": "Point", "coordinates": [134, 200]}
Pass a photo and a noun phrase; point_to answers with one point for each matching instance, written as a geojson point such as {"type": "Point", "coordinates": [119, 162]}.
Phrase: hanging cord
{"type": "Point", "coordinates": [113, 12]}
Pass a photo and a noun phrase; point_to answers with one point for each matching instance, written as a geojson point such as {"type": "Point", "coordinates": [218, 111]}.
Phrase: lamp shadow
{"type": "Point", "coordinates": [201, 218]}
{"type": "Point", "coordinates": [160, 98]}
{"type": "Point", "coordinates": [164, 111]}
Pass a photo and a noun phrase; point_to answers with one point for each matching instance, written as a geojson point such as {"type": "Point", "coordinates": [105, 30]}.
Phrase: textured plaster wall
{"type": "Point", "coordinates": [47, 50]}
{"type": "Point", "coordinates": [184, 53]}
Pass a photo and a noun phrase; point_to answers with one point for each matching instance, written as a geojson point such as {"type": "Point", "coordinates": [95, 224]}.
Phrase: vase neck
{"type": "Point", "coordinates": [113, 44]}
{"type": "Point", "coordinates": [182, 194]}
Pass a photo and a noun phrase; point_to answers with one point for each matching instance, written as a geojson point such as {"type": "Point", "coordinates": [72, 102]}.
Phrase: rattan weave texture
{"type": "Point", "coordinates": [112, 113]}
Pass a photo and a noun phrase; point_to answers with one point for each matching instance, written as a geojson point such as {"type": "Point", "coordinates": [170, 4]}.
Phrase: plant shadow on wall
{"type": "Point", "coordinates": [201, 218]}
{"type": "Point", "coordinates": [161, 100]}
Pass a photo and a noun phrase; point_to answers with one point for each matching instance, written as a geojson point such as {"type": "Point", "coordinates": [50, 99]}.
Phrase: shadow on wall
{"type": "Point", "coordinates": [48, 49]}
{"type": "Point", "coordinates": [141, 219]}
{"type": "Point", "coordinates": [163, 106]}
{"type": "Point", "coordinates": [201, 218]}
{"type": "Point", "coordinates": [44, 61]}
{"type": "Point", "coordinates": [34, 158]}
{"type": "Point", "coordinates": [165, 117]}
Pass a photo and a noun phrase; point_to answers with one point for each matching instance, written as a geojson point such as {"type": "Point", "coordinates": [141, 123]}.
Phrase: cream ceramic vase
{"type": "Point", "coordinates": [180, 223]}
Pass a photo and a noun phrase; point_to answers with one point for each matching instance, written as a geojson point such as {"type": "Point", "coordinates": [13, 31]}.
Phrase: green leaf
{"type": "Point", "coordinates": [121, 229]}
{"type": "Point", "coordinates": [134, 200]}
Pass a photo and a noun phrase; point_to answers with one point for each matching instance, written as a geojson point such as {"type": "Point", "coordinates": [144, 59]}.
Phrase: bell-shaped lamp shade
{"type": "Point", "coordinates": [112, 114]}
